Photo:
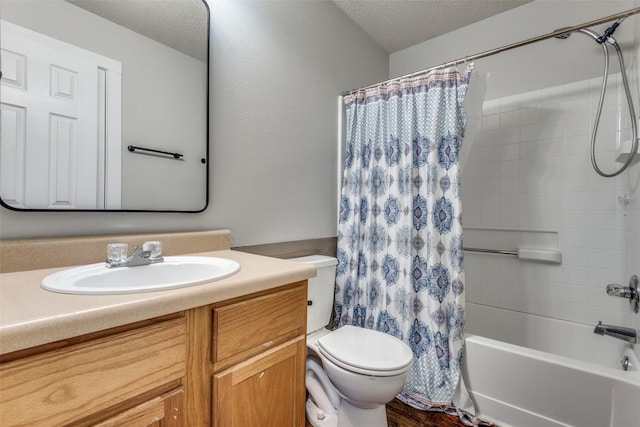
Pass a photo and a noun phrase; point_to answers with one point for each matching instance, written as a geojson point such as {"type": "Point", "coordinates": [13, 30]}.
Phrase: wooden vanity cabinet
{"type": "Point", "coordinates": [238, 363]}
{"type": "Point", "coordinates": [131, 377]}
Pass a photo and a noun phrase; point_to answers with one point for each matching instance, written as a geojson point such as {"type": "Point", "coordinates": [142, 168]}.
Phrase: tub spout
{"type": "Point", "coordinates": [620, 332]}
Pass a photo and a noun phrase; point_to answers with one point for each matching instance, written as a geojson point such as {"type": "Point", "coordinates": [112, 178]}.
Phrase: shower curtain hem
{"type": "Point", "coordinates": [422, 404]}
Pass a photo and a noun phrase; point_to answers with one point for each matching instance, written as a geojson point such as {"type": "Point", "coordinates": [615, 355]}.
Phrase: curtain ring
{"type": "Point", "coordinates": [455, 64]}
{"type": "Point", "coordinates": [466, 64]}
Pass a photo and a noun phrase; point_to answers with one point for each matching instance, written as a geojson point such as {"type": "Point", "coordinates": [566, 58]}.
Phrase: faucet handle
{"type": "Point", "coordinates": [616, 290]}
{"type": "Point", "coordinates": [154, 247]}
{"type": "Point", "coordinates": [630, 292]}
{"type": "Point", "coordinates": [117, 252]}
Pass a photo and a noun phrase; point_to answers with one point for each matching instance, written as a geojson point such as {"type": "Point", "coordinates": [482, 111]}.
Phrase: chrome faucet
{"type": "Point", "coordinates": [629, 292]}
{"type": "Point", "coordinates": [629, 335]}
{"type": "Point", "coordinates": [140, 256]}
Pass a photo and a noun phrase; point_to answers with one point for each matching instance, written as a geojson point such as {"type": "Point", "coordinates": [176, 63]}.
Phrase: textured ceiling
{"type": "Point", "coordinates": [180, 24]}
{"type": "Point", "coordinates": [393, 24]}
{"type": "Point", "coordinates": [398, 24]}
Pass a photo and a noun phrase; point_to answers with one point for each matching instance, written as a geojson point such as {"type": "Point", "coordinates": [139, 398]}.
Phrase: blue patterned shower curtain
{"type": "Point", "coordinates": [400, 256]}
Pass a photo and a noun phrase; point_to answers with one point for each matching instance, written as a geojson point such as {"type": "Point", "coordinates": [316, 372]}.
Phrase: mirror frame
{"type": "Point", "coordinates": [205, 160]}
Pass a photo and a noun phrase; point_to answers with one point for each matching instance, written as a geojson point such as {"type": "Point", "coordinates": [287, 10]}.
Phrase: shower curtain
{"type": "Point", "coordinates": [400, 257]}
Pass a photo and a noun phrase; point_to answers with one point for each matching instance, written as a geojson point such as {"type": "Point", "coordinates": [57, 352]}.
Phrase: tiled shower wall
{"type": "Point", "coordinates": [527, 167]}
{"type": "Point", "coordinates": [633, 219]}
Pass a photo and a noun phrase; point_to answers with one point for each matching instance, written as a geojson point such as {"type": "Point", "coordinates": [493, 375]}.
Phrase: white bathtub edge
{"type": "Point", "coordinates": [612, 394]}
{"type": "Point", "coordinates": [510, 416]}
{"type": "Point", "coordinates": [631, 377]}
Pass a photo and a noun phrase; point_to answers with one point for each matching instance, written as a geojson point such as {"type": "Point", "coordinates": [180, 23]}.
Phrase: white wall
{"type": "Point", "coordinates": [528, 168]}
{"type": "Point", "coordinates": [276, 71]}
{"type": "Point", "coordinates": [280, 68]}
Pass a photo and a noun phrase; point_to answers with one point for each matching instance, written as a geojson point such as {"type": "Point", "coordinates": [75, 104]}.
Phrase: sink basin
{"type": "Point", "coordinates": [174, 272]}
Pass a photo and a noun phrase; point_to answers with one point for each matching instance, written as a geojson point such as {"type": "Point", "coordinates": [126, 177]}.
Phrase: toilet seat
{"type": "Point", "coordinates": [366, 351]}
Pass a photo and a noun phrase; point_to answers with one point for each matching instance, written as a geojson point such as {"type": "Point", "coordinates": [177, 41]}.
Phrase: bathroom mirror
{"type": "Point", "coordinates": [104, 105]}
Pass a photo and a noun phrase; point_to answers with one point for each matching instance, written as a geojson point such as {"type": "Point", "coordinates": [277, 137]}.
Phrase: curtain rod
{"type": "Point", "coordinates": [486, 53]}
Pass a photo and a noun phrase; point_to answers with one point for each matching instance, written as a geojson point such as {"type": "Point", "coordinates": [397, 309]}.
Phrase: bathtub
{"type": "Point", "coordinates": [531, 371]}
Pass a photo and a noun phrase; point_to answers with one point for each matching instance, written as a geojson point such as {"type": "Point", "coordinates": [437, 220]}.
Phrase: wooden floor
{"type": "Point", "coordinates": [402, 415]}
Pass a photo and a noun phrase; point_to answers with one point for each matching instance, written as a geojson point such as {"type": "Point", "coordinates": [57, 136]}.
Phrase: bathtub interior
{"type": "Point", "coordinates": [563, 338]}
{"type": "Point", "coordinates": [526, 374]}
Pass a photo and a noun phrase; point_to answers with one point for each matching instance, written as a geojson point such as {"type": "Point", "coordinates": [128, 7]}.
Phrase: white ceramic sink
{"type": "Point", "coordinates": [174, 272]}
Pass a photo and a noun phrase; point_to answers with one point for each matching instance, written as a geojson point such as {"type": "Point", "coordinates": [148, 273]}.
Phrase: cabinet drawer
{"type": "Point", "coordinates": [162, 411]}
{"type": "Point", "coordinates": [246, 328]}
{"type": "Point", "coordinates": [64, 385]}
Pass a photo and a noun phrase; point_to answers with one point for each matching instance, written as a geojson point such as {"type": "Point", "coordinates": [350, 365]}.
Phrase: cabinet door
{"type": "Point", "coordinates": [163, 411]}
{"type": "Point", "coordinates": [264, 391]}
{"type": "Point", "coordinates": [69, 384]}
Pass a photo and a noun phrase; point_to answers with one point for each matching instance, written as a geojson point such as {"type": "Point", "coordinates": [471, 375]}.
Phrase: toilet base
{"type": "Point", "coordinates": [347, 416]}
{"type": "Point", "coordinates": [352, 416]}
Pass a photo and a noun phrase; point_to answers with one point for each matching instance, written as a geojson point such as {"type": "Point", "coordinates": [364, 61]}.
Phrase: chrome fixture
{"type": "Point", "coordinates": [625, 363]}
{"type": "Point", "coordinates": [148, 253]}
{"type": "Point", "coordinates": [603, 40]}
{"type": "Point", "coordinates": [630, 292]}
{"type": "Point", "coordinates": [629, 335]}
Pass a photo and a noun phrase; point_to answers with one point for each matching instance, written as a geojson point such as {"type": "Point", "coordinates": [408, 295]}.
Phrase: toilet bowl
{"type": "Point", "coordinates": [352, 372]}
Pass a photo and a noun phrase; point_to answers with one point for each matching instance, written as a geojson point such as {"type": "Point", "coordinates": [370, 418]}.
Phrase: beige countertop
{"type": "Point", "coordinates": [31, 316]}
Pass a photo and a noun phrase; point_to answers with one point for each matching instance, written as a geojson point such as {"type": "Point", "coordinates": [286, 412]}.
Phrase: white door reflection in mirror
{"type": "Point", "coordinates": [54, 97]}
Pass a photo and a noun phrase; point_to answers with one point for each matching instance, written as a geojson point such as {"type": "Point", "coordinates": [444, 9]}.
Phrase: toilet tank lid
{"type": "Point", "coordinates": [317, 260]}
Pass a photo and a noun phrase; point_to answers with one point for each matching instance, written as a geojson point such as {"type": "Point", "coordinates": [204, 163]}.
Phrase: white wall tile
{"type": "Point", "coordinates": [575, 312]}
{"type": "Point", "coordinates": [573, 238]}
{"type": "Point", "coordinates": [574, 293]}
{"type": "Point", "coordinates": [577, 162]}
{"type": "Point", "coordinates": [530, 114]}
{"type": "Point", "coordinates": [575, 256]}
{"type": "Point", "coordinates": [576, 200]}
{"type": "Point", "coordinates": [533, 171]}
{"type": "Point", "coordinates": [576, 182]}
{"type": "Point", "coordinates": [578, 126]}
{"type": "Point", "coordinates": [599, 277]}
{"type": "Point", "coordinates": [490, 121]}
{"type": "Point", "coordinates": [574, 275]}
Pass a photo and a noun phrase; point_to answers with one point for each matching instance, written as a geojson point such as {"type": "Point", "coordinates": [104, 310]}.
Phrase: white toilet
{"type": "Point", "coordinates": [351, 372]}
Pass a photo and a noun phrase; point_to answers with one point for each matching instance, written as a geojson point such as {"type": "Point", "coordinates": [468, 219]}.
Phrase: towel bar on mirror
{"type": "Point", "coordinates": [176, 156]}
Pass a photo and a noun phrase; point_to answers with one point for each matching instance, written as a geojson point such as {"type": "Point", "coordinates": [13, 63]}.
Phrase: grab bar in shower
{"type": "Point", "coordinates": [553, 256]}
{"type": "Point", "coordinates": [491, 251]}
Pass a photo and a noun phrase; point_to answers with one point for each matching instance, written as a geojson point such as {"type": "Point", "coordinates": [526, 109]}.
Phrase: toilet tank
{"type": "Point", "coordinates": [320, 290]}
